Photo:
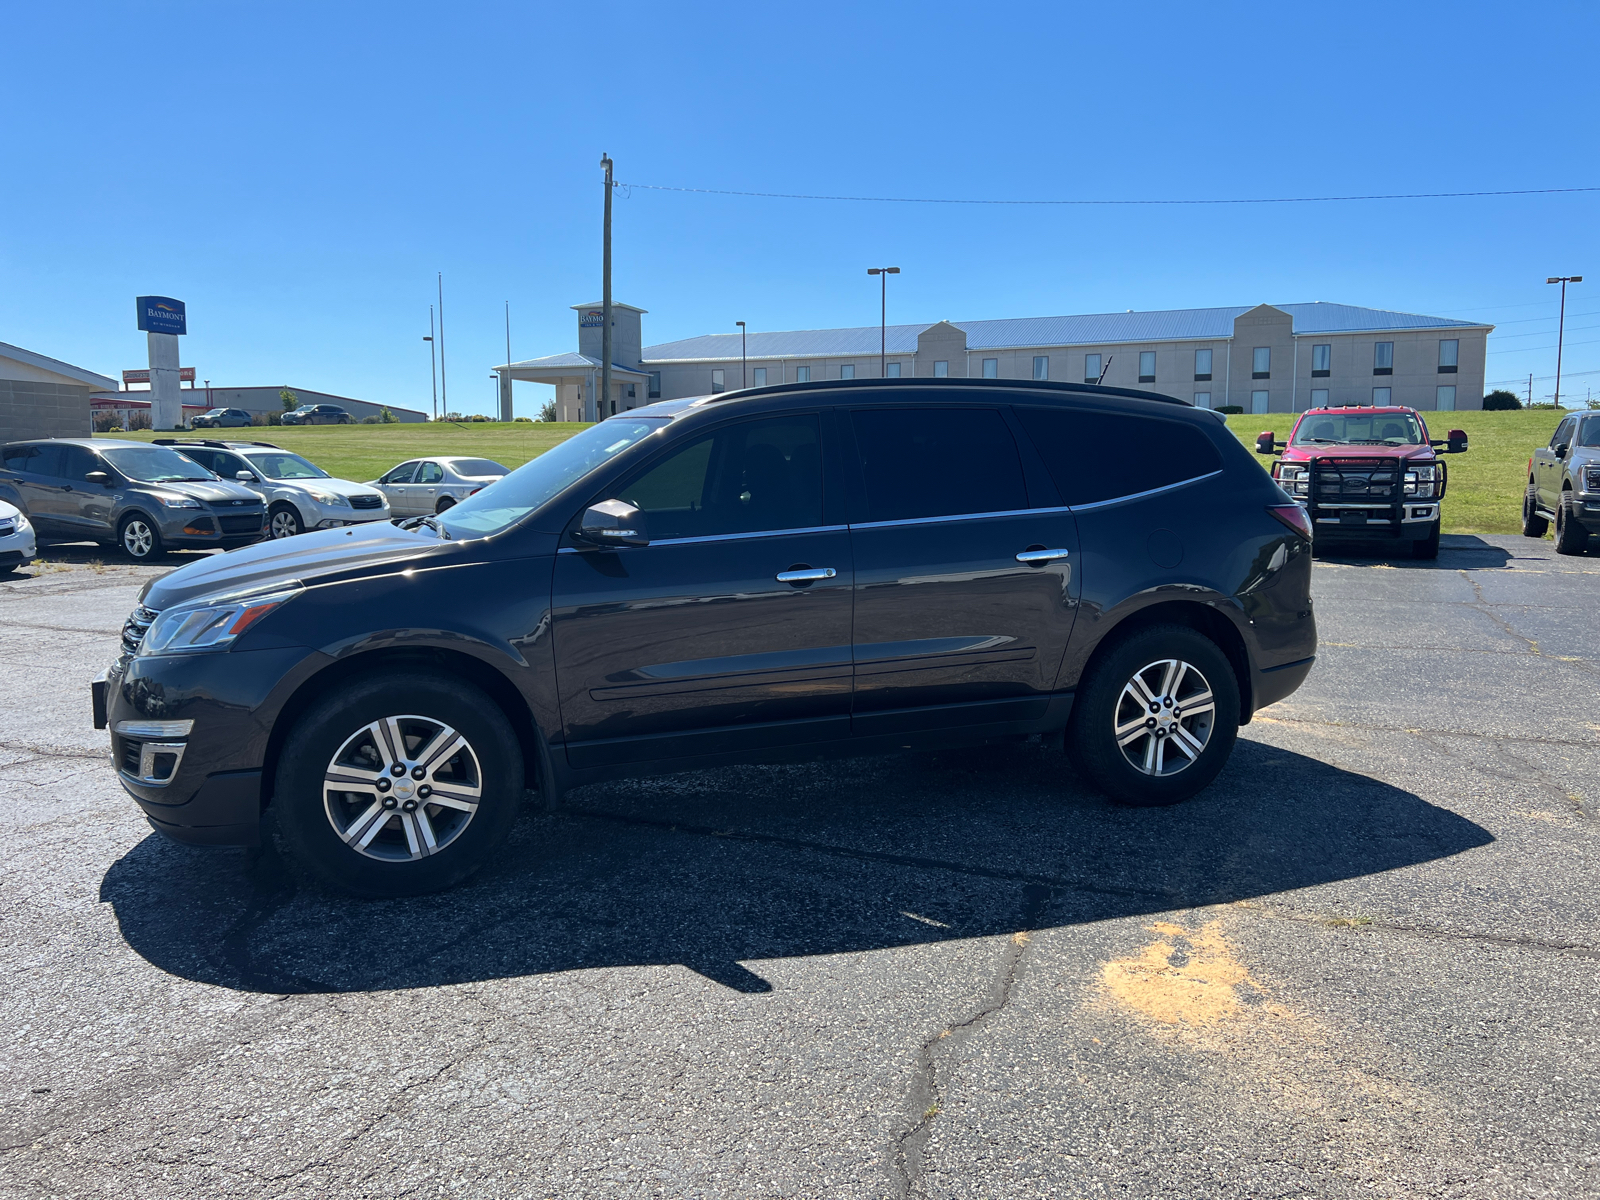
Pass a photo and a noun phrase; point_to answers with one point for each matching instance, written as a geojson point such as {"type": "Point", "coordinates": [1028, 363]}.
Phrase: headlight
{"type": "Point", "coordinates": [331, 499]}
{"type": "Point", "coordinates": [1593, 473]}
{"type": "Point", "coordinates": [210, 624]}
{"type": "Point", "coordinates": [1421, 480]}
{"type": "Point", "coordinates": [176, 501]}
{"type": "Point", "coordinates": [1293, 478]}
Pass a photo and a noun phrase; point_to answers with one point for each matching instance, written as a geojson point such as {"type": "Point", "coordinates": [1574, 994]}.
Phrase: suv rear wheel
{"type": "Point", "coordinates": [1156, 717]}
{"type": "Point", "coordinates": [400, 784]}
{"type": "Point", "coordinates": [1533, 525]}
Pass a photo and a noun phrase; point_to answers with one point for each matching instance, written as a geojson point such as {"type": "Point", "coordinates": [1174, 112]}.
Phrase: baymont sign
{"type": "Point", "coordinates": [162, 314]}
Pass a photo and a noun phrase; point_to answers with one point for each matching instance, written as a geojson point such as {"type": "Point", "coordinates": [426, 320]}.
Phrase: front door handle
{"type": "Point", "coordinates": [1037, 557]}
{"type": "Point", "coordinates": [806, 575]}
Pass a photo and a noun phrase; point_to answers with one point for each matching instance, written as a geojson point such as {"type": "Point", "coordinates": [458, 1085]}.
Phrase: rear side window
{"type": "Point", "coordinates": [938, 462]}
{"type": "Point", "coordinates": [20, 458]}
{"type": "Point", "coordinates": [1095, 456]}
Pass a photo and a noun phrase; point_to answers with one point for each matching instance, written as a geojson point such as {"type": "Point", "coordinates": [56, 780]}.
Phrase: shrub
{"type": "Point", "coordinates": [106, 422]}
{"type": "Point", "coordinates": [477, 417]}
{"type": "Point", "coordinates": [372, 420]}
{"type": "Point", "coordinates": [452, 417]}
{"type": "Point", "coordinates": [262, 419]}
{"type": "Point", "coordinates": [521, 420]}
{"type": "Point", "coordinates": [1230, 408]}
{"type": "Point", "coordinates": [139, 419]}
{"type": "Point", "coordinates": [288, 399]}
{"type": "Point", "coordinates": [385, 417]}
{"type": "Point", "coordinates": [1501, 400]}
{"type": "Point", "coordinates": [547, 411]}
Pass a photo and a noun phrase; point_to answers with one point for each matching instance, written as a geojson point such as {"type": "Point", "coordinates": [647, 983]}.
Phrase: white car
{"type": "Point", "coordinates": [17, 543]}
{"type": "Point", "coordinates": [300, 495]}
{"type": "Point", "coordinates": [421, 486]}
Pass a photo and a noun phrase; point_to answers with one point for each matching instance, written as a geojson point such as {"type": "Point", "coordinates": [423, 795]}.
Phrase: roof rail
{"type": "Point", "coordinates": [1024, 385]}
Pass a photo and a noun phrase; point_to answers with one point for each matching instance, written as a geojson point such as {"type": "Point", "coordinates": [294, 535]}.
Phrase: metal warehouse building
{"type": "Point", "coordinates": [1269, 358]}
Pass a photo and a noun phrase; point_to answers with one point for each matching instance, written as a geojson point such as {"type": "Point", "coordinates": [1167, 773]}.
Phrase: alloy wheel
{"type": "Point", "coordinates": [402, 788]}
{"type": "Point", "coordinates": [138, 539]}
{"type": "Point", "coordinates": [1164, 717]}
{"type": "Point", "coordinates": [284, 524]}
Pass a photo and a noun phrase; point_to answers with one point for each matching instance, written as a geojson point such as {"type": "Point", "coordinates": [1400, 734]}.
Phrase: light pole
{"type": "Point", "coordinates": [1561, 327]}
{"type": "Point", "coordinates": [742, 382]}
{"type": "Point", "coordinates": [433, 364]}
{"type": "Point", "coordinates": [444, 388]}
{"type": "Point", "coordinates": [605, 305]}
{"type": "Point", "coordinates": [883, 315]}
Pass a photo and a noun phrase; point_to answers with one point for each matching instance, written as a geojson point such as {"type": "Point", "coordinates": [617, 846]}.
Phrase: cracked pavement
{"type": "Point", "coordinates": [1363, 963]}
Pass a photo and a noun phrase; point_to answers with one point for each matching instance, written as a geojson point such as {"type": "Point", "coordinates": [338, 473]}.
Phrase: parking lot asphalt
{"type": "Point", "coordinates": [1363, 963]}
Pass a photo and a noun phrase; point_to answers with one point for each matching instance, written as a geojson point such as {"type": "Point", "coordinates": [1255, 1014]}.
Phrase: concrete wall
{"type": "Point", "coordinates": [30, 409]}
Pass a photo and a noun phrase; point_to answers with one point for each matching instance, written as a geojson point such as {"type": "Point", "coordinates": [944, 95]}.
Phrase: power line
{"type": "Point", "coordinates": [661, 187]}
{"type": "Point", "coordinates": [1540, 378]}
{"type": "Point", "coordinates": [1498, 336]}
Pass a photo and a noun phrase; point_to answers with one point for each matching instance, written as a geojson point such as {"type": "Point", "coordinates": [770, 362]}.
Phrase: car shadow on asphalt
{"type": "Point", "coordinates": [715, 869]}
{"type": "Point", "coordinates": [1457, 551]}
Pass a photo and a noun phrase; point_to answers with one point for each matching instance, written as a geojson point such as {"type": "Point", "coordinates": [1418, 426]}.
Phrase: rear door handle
{"type": "Point", "coordinates": [808, 575]}
{"type": "Point", "coordinates": [1035, 557]}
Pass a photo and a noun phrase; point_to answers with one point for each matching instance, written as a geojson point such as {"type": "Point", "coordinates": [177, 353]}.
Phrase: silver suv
{"type": "Point", "coordinates": [1564, 485]}
{"type": "Point", "coordinates": [300, 495]}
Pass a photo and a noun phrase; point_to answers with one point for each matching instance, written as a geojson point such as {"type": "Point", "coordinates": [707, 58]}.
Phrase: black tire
{"type": "Point", "coordinates": [138, 538]}
{"type": "Point", "coordinates": [1427, 547]}
{"type": "Point", "coordinates": [1533, 525]}
{"type": "Point", "coordinates": [305, 813]}
{"type": "Point", "coordinates": [1101, 707]}
{"type": "Point", "coordinates": [1571, 536]}
{"type": "Point", "coordinates": [444, 503]}
{"type": "Point", "coordinates": [284, 520]}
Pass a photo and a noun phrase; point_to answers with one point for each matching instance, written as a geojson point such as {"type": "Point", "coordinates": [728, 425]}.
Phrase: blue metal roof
{"type": "Point", "coordinates": [1094, 329]}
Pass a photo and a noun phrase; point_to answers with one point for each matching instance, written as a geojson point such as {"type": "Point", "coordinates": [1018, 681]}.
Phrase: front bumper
{"type": "Point", "coordinates": [209, 529]}
{"type": "Point", "coordinates": [19, 547]}
{"type": "Point", "coordinates": [1360, 524]}
{"type": "Point", "coordinates": [1587, 510]}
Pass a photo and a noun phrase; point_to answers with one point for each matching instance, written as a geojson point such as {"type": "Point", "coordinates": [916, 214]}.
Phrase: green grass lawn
{"type": "Point", "coordinates": [1485, 494]}
{"type": "Point", "coordinates": [1486, 483]}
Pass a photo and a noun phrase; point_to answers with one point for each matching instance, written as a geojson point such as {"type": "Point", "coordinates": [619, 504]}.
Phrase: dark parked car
{"type": "Point", "coordinates": [317, 414]}
{"type": "Point", "coordinates": [139, 497]}
{"type": "Point", "coordinates": [221, 418]}
{"type": "Point", "coordinates": [779, 573]}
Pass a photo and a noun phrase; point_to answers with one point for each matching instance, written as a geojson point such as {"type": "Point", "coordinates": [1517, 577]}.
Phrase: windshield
{"type": "Point", "coordinates": [1589, 433]}
{"type": "Point", "coordinates": [156, 464]}
{"type": "Point", "coordinates": [537, 482]}
{"type": "Point", "coordinates": [285, 466]}
{"type": "Point", "coordinates": [1355, 428]}
{"type": "Point", "coordinates": [475, 468]}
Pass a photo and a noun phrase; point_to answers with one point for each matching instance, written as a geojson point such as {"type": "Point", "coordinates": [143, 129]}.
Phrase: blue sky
{"type": "Point", "coordinates": [297, 173]}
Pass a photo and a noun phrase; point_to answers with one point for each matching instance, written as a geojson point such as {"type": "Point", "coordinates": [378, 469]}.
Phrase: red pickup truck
{"type": "Point", "coordinates": [1365, 473]}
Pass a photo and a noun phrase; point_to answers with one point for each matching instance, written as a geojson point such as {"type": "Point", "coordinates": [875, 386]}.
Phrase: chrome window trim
{"type": "Point", "coordinates": [1143, 495]}
{"type": "Point", "coordinates": [983, 516]}
{"type": "Point", "coordinates": [728, 537]}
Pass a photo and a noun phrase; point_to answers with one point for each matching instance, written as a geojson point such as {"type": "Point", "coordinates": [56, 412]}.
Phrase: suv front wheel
{"type": "Point", "coordinates": [139, 538]}
{"type": "Point", "coordinates": [400, 784]}
{"type": "Point", "coordinates": [285, 521]}
{"type": "Point", "coordinates": [1156, 717]}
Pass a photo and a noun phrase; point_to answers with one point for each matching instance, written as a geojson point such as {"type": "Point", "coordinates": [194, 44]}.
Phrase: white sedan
{"type": "Point", "coordinates": [17, 543]}
{"type": "Point", "coordinates": [430, 485]}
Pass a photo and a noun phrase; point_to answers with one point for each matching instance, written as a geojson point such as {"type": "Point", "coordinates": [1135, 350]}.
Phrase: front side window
{"type": "Point", "coordinates": [847, 371]}
{"type": "Point", "coordinates": [284, 466]}
{"type": "Point", "coordinates": [991, 368]}
{"type": "Point", "coordinates": [719, 379]}
{"type": "Point", "coordinates": [1041, 366]}
{"type": "Point", "coordinates": [1147, 366]}
{"type": "Point", "coordinates": [941, 370]}
{"type": "Point", "coordinates": [1259, 401]}
{"type": "Point", "coordinates": [802, 374]}
{"type": "Point", "coordinates": [1445, 401]}
{"type": "Point", "coordinates": [157, 464]}
{"type": "Point", "coordinates": [759, 374]}
{"type": "Point", "coordinates": [938, 462]}
{"type": "Point", "coordinates": [1073, 446]}
{"type": "Point", "coordinates": [1091, 368]}
{"type": "Point", "coordinates": [1382, 396]}
{"type": "Point", "coordinates": [1202, 365]}
{"type": "Point", "coordinates": [1261, 362]}
{"type": "Point", "coordinates": [1321, 361]}
{"type": "Point", "coordinates": [748, 477]}
{"type": "Point", "coordinates": [401, 474]}
{"type": "Point", "coordinates": [430, 472]}
{"type": "Point", "coordinates": [1383, 358]}
{"type": "Point", "coordinates": [538, 482]}
{"type": "Point", "coordinates": [1352, 427]}
{"type": "Point", "coordinates": [1563, 433]}
{"type": "Point", "coordinates": [1449, 355]}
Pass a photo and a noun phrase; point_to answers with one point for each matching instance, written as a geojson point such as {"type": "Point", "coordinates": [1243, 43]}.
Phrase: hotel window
{"type": "Point", "coordinates": [1147, 366]}
{"type": "Point", "coordinates": [717, 378]}
{"type": "Point", "coordinates": [1259, 401]}
{"type": "Point", "coordinates": [758, 375]}
{"type": "Point", "coordinates": [892, 371]}
{"type": "Point", "coordinates": [802, 374]}
{"type": "Point", "coordinates": [1381, 396]}
{"type": "Point", "coordinates": [1321, 361]}
{"type": "Point", "coordinates": [1202, 399]}
{"type": "Point", "coordinates": [991, 368]}
{"type": "Point", "coordinates": [1261, 363]}
{"type": "Point", "coordinates": [1041, 366]}
{"type": "Point", "coordinates": [941, 370]}
{"type": "Point", "coordinates": [1091, 368]}
{"type": "Point", "coordinates": [847, 371]}
{"type": "Point", "coordinates": [1383, 358]}
{"type": "Point", "coordinates": [655, 385]}
{"type": "Point", "coordinates": [1449, 355]}
{"type": "Point", "coordinates": [1202, 366]}
{"type": "Point", "coordinates": [1445, 401]}
{"type": "Point", "coordinates": [1319, 397]}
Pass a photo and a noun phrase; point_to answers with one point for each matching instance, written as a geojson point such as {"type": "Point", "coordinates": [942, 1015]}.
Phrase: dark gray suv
{"type": "Point", "coordinates": [140, 497]}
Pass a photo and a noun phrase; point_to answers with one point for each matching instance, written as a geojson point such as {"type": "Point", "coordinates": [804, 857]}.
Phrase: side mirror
{"type": "Point", "coordinates": [1458, 441]}
{"type": "Point", "coordinates": [245, 476]}
{"type": "Point", "coordinates": [99, 477]}
{"type": "Point", "coordinates": [1265, 443]}
{"type": "Point", "coordinates": [1561, 450]}
{"type": "Point", "coordinates": [613, 523]}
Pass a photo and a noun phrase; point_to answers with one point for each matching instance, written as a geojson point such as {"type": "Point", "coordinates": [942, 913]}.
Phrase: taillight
{"type": "Point", "coordinates": [1294, 517]}
{"type": "Point", "coordinates": [475, 491]}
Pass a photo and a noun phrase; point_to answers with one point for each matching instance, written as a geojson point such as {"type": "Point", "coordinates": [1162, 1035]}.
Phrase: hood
{"type": "Point", "coordinates": [308, 558]}
{"type": "Point", "coordinates": [1304, 453]}
{"type": "Point", "coordinates": [8, 511]}
{"type": "Point", "coordinates": [209, 491]}
{"type": "Point", "coordinates": [339, 487]}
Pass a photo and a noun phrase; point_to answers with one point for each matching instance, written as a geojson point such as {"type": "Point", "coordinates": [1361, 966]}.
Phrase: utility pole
{"type": "Point", "coordinates": [505, 384]}
{"type": "Point", "coordinates": [605, 304]}
{"type": "Point", "coordinates": [433, 364]}
{"type": "Point", "coordinates": [742, 356]}
{"type": "Point", "coordinates": [1561, 328]}
{"type": "Point", "coordinates": [883, 315]}
{"type": "Point", "coordinates": [444, 389]}
{"type": "Point", "coordinates": [1530, 389]}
